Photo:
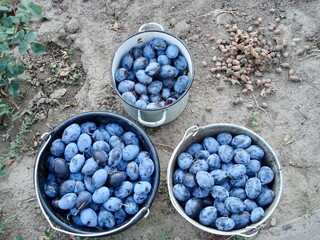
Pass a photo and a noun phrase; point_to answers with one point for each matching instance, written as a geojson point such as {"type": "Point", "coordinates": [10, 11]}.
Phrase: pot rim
{"type": "Point", "coordinates": [161, 108]}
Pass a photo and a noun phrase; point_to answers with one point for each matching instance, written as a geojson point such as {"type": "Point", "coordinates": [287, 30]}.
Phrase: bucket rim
{"type": "Point", "coordinates": [253, 228]}
{"type": "Point", "coordinates": [52, 216]}
{"type": "Point", "coordinates": [171, 104]}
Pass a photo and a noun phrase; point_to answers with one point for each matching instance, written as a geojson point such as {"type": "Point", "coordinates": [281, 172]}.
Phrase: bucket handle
{"type": "Point", "coordinates": [254, 231]}
{"type": "Point", "coordinates": [149, 26]}
{"type": "Point", "coordinates": [144, 211]}
{"type": "Point", "coordinates": [153, 124]}
{"type": "Point", "coordinates": [191, 130]}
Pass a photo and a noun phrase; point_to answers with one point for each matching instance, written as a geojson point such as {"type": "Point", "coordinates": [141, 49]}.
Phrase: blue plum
{"type": "Point", "coordinates": [57, 148]}
{"type": "Point", "coordinates": [172, 51]}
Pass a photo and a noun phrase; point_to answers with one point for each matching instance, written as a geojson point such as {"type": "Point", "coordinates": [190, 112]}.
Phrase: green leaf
{"type": "Point", "coordinates": [288, 139]}
{"type": "Point", "coordinates": [3, 36]}
{"type": "Point", "coordinates": [15, 41]}
{"type": "Point", "coordinates": [20, 34]}
{"type": "Point", "coordinates": [14, 88]}
{"type": "Point", "coordinates": [10, 30]}
{"type": "Point", "coordinates": [5, 9]}
{"type": "Point", "coordinates": [15, 68]}
{"type": "Point", "coordinates": [3, 172]}
{"type": "Point", "coordinates": [4, 48]}
{"type": "Point", "coordinates": [23, 14]}
{"type": "Point", "coordinates": [35, 10]}
{"type": "Point", "coordinates": [30, 37]}
{"type": "Point", "coordinates": [15, 20]}
{"type": "Point", "coordinates": [37, 48]}
{"type": "Point", "coordinates": [23, 47]}
{"type": "Point", "coordinates": [25, 3]}
{"type": "Point", "coordinates": [7, 22]}
{"type": "Point", "coordinates": [3, 83]}
{"type": "Point", "coordinates": [3, 64]}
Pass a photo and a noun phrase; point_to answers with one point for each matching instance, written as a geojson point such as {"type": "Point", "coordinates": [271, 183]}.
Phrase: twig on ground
{"type": "Point", "coordinates": [255, 100]}
{"type": "Point", "coordinates": [299, 166]}
{"type": "Point", "coordinates": [230, 12]}
{"type": "Point", "coordinates": [233, 13]}
{"type": "Point", "coordinates": [305, 117]}
{"type": "Point", "coordinates": [3, 93]}
{"type": "Point", "coordinates": [30, 199]}
{"type": "Point", "coordinates": [309, 56]}
{"type": "Point", "coordinates": [164, 145]}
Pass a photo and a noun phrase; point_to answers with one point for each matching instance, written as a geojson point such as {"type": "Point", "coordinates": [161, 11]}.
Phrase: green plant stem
{"type": "Point", "coordinates": [18, 142]}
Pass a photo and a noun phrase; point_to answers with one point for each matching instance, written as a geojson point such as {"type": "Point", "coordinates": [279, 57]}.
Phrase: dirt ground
{"type": "Point", "coordinates": [89, 28]}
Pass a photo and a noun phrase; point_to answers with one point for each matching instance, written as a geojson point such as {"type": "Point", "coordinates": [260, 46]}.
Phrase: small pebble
{"type": "Point", "coordinates": [285, 65]}
{"type": "Point", "coordinates": [238, 101]}
{"type": "Point", "coordinates": [291, 72]}
{"type": "Point", "coordinates": [270, 28]}
{"type": "Point", "coordinates": [214, 58]}
{"type": "Point", "coordinates": [294, 78]}
{"type": "Point", "coordinates": [250, 106]}
{"type": "Point", "coordinates": [235, 62]}
{"type": "Point", "coordinates": [278, 70]}
{"type": "Point", "coordinates": [236, 68]}
{"type": "Point", "coordinates": [218, 76]}
{"type": "Point", "coordinates": [277, 31]}
{"type": "Point", "coordinates": [219, 88]}
{"type": "Point", "coordinates": [307, 47]}
{"type": "Point", "coordinates": [256, 23]}
{"type": "Point", "coordinates": [250, 29]}
{"type": "Point", "coordinates": [300, 51]}
{"type": "Point", "coordinates": [259, 19]}
{"type": "Point", "coordinates": [258, 74]}
{"type": "Point", "coordinates": [273, 222]}
{"type": "Point", "coordinates": [277, 20]}
{"type": "Point", "coordinates": [272, 10]}
{"type": "Point", "coordinates": [296, 39]}
{"type": "Point", "coordinates": [208, 108]}
{"type": "Point", "coordinates": [211, 39]}
{"type": "Point", "coordinates": [213, 70]}
{"type": "Point", "coordinates": [264, 105]}
{"type": "Point", "coordinates": [204, 63]}
{"type": "Point", "coordinates": [285, 54]}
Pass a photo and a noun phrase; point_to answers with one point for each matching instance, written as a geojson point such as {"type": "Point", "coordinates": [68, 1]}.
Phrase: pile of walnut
{"type": "Point", "coordinates": [246, 55]}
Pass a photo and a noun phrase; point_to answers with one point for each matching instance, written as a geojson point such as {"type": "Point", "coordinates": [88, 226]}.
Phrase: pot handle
{"type": "Point", "coordinates": [254, 231]}
{"type": "Point", "coordinates": [153, 124]}
{"type": "Point", "coordinates": [191, 130]}
{"type": "Point", "coordinates": [149, 26]}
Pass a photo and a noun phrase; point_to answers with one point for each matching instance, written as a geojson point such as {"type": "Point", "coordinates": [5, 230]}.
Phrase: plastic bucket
{"type": "Point", "coordinates": [153, 117]}
{"type": "Point", "coordinates": [57, 220]}
{"type": "Point", "coordinates": [197, 134]}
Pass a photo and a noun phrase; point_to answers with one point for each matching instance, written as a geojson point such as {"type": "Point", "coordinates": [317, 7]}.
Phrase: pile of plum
{"type": "Point", "coordinates": [222, 183]}
{"type": "Point", "coordinates": [152, 76]}
{"type": "Point", "coordinates": [99, 175]}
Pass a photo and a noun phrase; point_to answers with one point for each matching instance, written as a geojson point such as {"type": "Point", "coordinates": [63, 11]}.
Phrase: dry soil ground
{"type": "Point", "coordinates": [89, 28]}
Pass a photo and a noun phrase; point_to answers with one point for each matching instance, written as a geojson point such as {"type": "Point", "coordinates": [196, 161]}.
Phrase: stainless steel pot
{"type": "Point", "coordinates": [58, 221]}
{"type": "Point", "coordinates": [154, 117]}
{"type": "Point", "coordinates": [197, 134]}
